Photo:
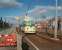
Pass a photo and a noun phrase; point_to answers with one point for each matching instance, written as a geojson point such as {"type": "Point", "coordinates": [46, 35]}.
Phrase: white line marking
{"type": "Point", "coordinates": [32, 44]}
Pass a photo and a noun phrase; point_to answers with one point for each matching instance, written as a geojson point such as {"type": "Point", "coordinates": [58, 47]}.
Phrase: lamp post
{"type": "Point", "coordinates": [56, 23]}
{"type": "Point", "coordinates": [17, 19]}
{"type": "Point", "coordinates": [61, 24]}
{"type": "Point", "coordinates": [19, 36]}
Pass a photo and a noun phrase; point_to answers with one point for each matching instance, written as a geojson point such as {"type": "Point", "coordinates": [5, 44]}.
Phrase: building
{"type": "Point", "coordinates": [48, 26]}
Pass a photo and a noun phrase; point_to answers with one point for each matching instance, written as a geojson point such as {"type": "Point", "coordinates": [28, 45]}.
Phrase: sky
{"type": "Point", "coordinates": [36, 9]}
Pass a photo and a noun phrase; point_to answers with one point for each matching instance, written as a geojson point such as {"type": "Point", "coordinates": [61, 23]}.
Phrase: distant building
{"type": "Point", "coordinates": [42, 26]}
{"type": "Point", "coordinates": [49, 25]}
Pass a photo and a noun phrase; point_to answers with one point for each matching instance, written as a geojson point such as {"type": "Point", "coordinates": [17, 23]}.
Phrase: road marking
{"type": "Point", "coordinates": [32, 44]}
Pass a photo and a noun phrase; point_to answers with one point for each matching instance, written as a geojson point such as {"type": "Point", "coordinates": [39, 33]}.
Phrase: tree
{"type": "Point", "coordinates": [3, 24]}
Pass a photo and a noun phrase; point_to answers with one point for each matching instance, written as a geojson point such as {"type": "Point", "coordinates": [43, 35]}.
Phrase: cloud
{"type": "Point", "coordinates": [9, 3]}
{"type": "Point", "coordinates": [37, 10]}
{"type": "Point", "coordinates": [54, 8]}
{"type": "Point", "coordinates": [42, 9]}
{"type": "Point", "coordinates": [49, 7]}
{"type": "Point", "coordinates": [12, 19]}
{"type": "Point", "coordinates": [59, 8]}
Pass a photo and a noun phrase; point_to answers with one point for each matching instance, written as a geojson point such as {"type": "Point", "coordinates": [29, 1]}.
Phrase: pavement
{"type": "Point", "coordinates": [8, 48]}
{"type": "Point", "coordinates": [45, 36]}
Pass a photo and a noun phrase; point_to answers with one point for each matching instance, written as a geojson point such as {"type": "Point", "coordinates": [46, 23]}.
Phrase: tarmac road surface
{"type": "Point", "coordinates": [44, 44]}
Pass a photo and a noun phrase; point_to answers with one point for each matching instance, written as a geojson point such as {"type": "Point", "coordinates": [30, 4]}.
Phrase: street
{"type": "Point", "coordinates": [43, 44]}
{"type": "Point", "coordinates": [7, 48]}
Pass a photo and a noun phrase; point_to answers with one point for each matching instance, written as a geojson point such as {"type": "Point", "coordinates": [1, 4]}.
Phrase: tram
{"type": "Point", "coordinates": [29, 27]}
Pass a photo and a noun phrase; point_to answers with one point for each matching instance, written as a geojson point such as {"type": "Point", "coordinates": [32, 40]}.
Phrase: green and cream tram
{"type": "Point", "coordinates": [29, 27]}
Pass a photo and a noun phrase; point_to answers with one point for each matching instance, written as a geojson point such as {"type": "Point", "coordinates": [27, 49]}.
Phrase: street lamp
{"type": "Point", "coordinates": [19, 37]}
{"type": "Point", "coordinates": [56, 24]}
{"type": "Point", "coordinates": [55, 34]}
{"type": "Point", "coordinates": [17, 19]}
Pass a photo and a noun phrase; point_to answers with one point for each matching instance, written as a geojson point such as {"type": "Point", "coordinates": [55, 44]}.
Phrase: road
{"type": "Point", "coordinates": [7, 48]}
{"type": "Point", "coordinates": [43, 44]}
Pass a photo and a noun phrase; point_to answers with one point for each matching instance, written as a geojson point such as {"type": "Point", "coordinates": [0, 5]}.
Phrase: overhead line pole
{"type": "Point", "coordinates": [56, 22]}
